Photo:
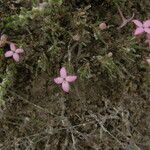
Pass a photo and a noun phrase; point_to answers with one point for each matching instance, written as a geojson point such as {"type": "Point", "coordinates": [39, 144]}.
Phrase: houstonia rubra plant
{"type": "Point", "coordinates": [65, 79]}
{"type": "Point", "coordinates": [141, 27]}
{"type": "Point", "coordinates": [14, 52]}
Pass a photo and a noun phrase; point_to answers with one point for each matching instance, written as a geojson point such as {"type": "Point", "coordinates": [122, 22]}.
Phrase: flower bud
{"type": "Point", "coordinates": [148, 60]}
{"type": "Point", "coordinates": [103, 26]}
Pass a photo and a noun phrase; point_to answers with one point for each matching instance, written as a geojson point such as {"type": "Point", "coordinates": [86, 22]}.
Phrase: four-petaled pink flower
{"type": "Point", "coordinates": [141, 27]}
{"type": "Point", "coordinates": [14, 52]}
{"type": "Point", "coordinates": [64, 79]}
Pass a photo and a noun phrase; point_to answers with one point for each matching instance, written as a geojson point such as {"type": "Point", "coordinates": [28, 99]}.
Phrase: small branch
{"type": "Point", "coordinates": [124, 20]}
{"type": "Point", "coordinates": [36, 106]}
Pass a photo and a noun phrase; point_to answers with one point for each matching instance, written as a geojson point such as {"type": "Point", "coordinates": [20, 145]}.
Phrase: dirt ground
{"type": "Point", "coordinates": [108, 106]}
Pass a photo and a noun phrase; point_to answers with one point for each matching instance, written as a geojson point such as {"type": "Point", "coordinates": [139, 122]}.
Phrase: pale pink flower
{"type": "Point", "coordinates": [14, 52]}
{"type": "Point", "coordinates": [148, 60]}
{"type": "Point", "coordinates": [141, 27]}
{"type": "Point", "coordinates": [65, 79]}
{"type": "Point", "coordinates": [147, 39]}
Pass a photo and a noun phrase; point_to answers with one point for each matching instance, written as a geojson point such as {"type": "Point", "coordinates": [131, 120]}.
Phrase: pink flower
{"type": "Point", "coordinates": [14, 52]}
{"type": "Point", "coordinates": [142, 27]}
{"type": "Point", "coordinates": [148, 60]}
{"type": "Point", "coordinates": [147, 39]}
{"type": "Point", "coordinates": [64, 80]}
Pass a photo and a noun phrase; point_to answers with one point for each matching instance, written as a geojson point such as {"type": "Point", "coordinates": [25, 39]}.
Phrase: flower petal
{"type": "Point", "coordinates": [147, 30]}
{"type": "Point", "coordinates": [71, 78]}
{"type": "Point", "coordinates": [138, 23]}
{"type": "Point", "coordinates": [9, 53]}
{"type": "Point", "coordinates": [16, 57]}
{"type": "Point", "coordinates": [65, 86]}
{"type": "Point", "coordinates": [63, 72]}
{"type": "Point", "coordinates": [58, 80]}
{"type": "Point", "coordinates": [146, 24]}
{"type": "Point", "coordinates": [13, 47]}
{"type": "Point", "coordinates": [138, 31]}
{"type": "Point", "coordinates": [19, 50]}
